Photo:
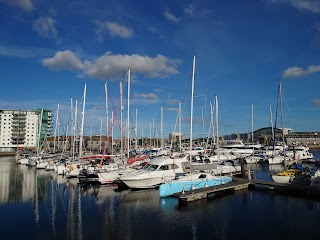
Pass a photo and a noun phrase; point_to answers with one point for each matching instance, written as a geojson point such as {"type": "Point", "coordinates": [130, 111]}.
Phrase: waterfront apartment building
{"type": "Point", "coordinates": [23, 129]}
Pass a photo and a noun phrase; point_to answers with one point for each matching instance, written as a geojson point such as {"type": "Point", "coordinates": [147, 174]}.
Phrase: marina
{"type": "Point", "coordinates": [56, 207]}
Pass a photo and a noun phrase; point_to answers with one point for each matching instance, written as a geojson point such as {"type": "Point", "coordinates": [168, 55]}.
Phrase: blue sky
{"type": "Point", "coordinates": [50, 49]}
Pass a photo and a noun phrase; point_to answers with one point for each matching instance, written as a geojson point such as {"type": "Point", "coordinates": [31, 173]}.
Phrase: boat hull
{"type": "Point", "coordinates": [281, 179]}
{"type": "Point", "coordinates": [169, 189]}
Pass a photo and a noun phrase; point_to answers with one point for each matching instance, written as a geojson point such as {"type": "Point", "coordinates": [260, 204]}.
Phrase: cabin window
{"type": "Point", "coordinates": [153, 167]}
{"type": "Point", "coordinates": [164, 167]}
{"type": "Point", "coordinates": [150, 167]}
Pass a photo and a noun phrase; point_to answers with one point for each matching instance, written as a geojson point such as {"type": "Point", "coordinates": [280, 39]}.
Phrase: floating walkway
{"type": "Point", "coordinates": [197, 194]}
{"type": "Point", "coordinates": [242, 183]}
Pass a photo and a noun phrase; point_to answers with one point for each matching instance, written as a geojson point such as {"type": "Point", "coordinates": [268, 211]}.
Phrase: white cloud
{"type": "Point", "coordinates": [45, 27]}
{"type": "Point", "coordinates": [63, 60]}
{"type": "Point", "coordinates": [295, 71]}
{"type": "Point", "coordinates": [119, 30]}
{"type": "Point", "coordinates": [149, 96]}
{"type": "Point", "coordinates": [302, 5]}
{"type": "Point", "coordinates": [114, 66]}
{"type": "Point", "coordinates": [114, 30]}
{"type": "Point", "coordinates": [157, 90]}
{"type": "Point", "coordinates": [173, 101]}
{"type": "Point", "coordinates": [25, 5]}
{"type": "Point", "coordinates": [189, 10]}
{"type": "Point", "coordinates": [169, 16]}
{"type": "Point", "coordinates": [316, 101]}
{"type": "Point", "coordinates": [171, 109]}
{"type": "Point", "coordinates": [110, 67]}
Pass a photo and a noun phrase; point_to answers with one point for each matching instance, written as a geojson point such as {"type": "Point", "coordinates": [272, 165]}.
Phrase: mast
{"type": "Point", "coordinates": [39, 133]}
{"type": "Point", "coordinates": [281, 112]}
{"type": "Point", "coordinates": [252, 123]}
{"type": "Point", "coordinates": [121, 109]}
{"type": "Point", "coordinates": [107, 107]}
{"type": "Point", "coordinates": [112, 132]}
{"type": "Point", "coordinates": [217, 126]}
{"type": "Point", "coordinates": [136, 130]}
{"type": "Point", "coordinates": [191, 109]}
{"type": "Point", "coordinates": [72, 122]}
{"type": "Point", "coordinates": [153, 133]}
{"type": "Point", "coordinates": [150, 135]}
{"type": "Point", "coordinates": [212, 124]}
{"type": "Point", "coordinates": [180, 136]}
{"type": "Point", "coordinates": [128, 115]}
{"type": "Point", "coordinates": [202, 118]}
{"type": "Point", "coordinates": [82, 119]}
{"type": "Point", "coordinates": [75, 129]}
{"type": "Point", "coordinates": [100, 134]}
{"type": "Point", "coordinates": [271, 124]}
{"type": "Point", "coordinates": [161, 128]}
{"type": "Point", "coordinates": [55, 130]}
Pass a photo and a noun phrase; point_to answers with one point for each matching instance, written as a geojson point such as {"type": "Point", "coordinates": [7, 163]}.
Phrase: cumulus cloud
{"type": "Point", "coordinates": [113, 29]}
{"type": "Point", "coordinates": [171, 109]}
{"type": "Point", "coordinates": [316, 101]}
{"type": "Point", "coordinates": [189, 10]}
{"type": "Point", "coordinates": [169, 16]}
{"type": "Point", "coordinates": [302, 5]}
{"type": "Point", "coordinates": [172, 101]}
{"type": "Point", "coordinates": [63, 60]}
{"type": "Point", "coordinates": [45, 27]}
{"type": "Point", "coordinates": [295, 71]}
{"type": "Point", "coordinates": [25, 5]}
{"type": "Point", "coordinates": [110, 67]}
{"type": "Point", "coordinates": [149, 96]}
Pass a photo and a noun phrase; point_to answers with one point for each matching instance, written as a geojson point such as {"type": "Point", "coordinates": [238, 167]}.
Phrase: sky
{"type": "Point", "coordinates": [49, 50]}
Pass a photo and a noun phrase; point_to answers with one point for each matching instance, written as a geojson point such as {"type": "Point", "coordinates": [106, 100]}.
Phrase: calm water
{"type": "Point", "coordinates": [35, 204]}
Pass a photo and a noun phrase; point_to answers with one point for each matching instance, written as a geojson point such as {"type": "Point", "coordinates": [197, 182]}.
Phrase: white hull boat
{"type": "Point", "coordinates": [157, 171]}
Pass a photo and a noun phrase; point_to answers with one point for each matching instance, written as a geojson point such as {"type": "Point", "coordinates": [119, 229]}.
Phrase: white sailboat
{"type": "Point", "coordinates": [194, 179]}
{"type": "Point", "coordinates": [292, 171]}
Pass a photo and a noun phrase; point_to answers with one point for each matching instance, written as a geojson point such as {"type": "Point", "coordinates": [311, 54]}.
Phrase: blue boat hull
{"type": "Point", "coordinates": [168, 189]}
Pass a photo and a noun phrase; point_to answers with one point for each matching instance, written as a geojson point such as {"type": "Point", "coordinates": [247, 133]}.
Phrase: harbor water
{"type": "Point", "coordinates": [39, 204]}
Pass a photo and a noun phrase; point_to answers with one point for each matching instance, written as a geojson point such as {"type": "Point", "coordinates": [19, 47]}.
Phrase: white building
{"type": "Point", "coordinates": [18, 129]}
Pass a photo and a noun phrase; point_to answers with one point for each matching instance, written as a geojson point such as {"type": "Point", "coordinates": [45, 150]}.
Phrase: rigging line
{"type": "Point", "coordinates": [94, 110]}
{"type": "Point", "coordinates": [115, 115]}
{"type": "Point", "coordinates": [113, 120]}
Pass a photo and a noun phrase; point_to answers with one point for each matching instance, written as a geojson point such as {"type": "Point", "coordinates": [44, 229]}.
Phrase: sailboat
{"type": "Point", "coordinates": [123, 165]}
{"type": "Point", "coordinates": [293, 172]}
{"type": "Point", "coordinates": [194, 179]}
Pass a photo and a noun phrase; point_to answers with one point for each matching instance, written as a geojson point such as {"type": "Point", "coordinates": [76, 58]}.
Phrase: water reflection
{"type": "Point", "coordinates": [60, 208]}
{"type": "Point", "coordinates": [20, 183]}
